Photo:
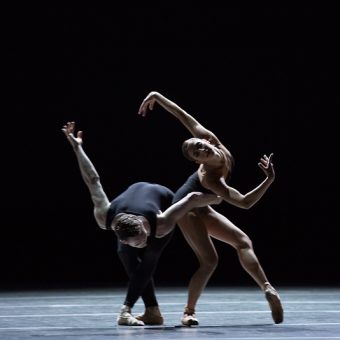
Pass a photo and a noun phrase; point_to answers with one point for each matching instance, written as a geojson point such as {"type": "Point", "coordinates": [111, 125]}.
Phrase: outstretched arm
{"type": "Point", "coordinates": [167, 220]}
{"type": "Point", "coordinates": [89, 174]}
{"type": "Point", "coordinates": [194, 127]}
{"type": "Point", "coordinates": [246, 201]}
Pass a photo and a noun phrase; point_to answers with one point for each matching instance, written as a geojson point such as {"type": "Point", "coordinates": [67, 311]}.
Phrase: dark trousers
{"type": "Point", "coordinates": [140, 265]}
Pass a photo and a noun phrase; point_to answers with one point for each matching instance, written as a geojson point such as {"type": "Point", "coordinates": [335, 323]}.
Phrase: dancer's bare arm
{"type": "Point", "coordinates": [167, 220]}
{"type": "Point", "coordinates": [89, 174]}
{"type": "Point", "coordinates": [195, 128]}
{"type": "Point", "coordinates": [245, 201]}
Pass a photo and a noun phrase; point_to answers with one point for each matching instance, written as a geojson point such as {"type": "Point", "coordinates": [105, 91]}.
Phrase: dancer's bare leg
{"type": "Point", "coordinates": [223, 229]}
{"type": "Point", "coordinates": [197, 237]}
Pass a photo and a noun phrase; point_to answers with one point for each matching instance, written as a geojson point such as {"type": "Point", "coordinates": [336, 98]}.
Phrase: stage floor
{"type": "Point", "coordinates": [224, 313]}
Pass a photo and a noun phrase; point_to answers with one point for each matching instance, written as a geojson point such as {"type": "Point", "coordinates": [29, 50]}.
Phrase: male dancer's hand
{"type": "Point", "coordinates": [68, 130]}
{"type": "Point", "coordinates": [204, 199]}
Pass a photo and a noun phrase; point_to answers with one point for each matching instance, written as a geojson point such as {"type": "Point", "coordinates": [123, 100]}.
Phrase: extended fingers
{"type": "Point", "coordinates": [264, 160]}
{"type": "Point", "coordinates": [141, 109]}
{"type": "Point", "coordinates": [270, 157]}
{"type": "Point", "coordinates": [146, 105]}
{"type": "Point", "coordinates": [68, 128]}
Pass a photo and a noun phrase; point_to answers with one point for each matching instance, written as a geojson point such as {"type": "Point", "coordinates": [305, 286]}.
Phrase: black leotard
{"type": "Point", "coordinates": [191, 184]}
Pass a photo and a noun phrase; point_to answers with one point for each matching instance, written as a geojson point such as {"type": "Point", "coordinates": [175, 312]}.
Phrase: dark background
{"type": "Point", "coordinates": [263, 79]}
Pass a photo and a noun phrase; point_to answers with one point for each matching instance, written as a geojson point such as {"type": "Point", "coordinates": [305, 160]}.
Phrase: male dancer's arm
{"type": "Point", "coordinates": [89, 174]}
{"type": "Point", "coordinates": [167, 220]}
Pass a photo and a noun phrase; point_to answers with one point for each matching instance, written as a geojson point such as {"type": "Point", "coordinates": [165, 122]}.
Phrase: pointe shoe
{"type": "Point", "coordinates": [274, 301]}
{"type": "Point", "coordinates": [189, 317]}
{"type": "Point", "coordinates": [151, 316]}
{"type": "Point", "coordinates": [125, 318]}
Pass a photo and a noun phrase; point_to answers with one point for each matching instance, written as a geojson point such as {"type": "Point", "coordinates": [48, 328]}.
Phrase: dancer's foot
{"type": "Point", "coordinates": [274, 301]}
{"type": "Point", "coordinates": [189, 318]}
{"type": "Point", "coordinates": [125, 318]}
{"type": "Point", "coordinates": [151, 316]}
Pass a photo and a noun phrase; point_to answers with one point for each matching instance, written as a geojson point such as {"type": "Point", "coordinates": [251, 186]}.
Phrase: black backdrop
{"type": "Point", "coordinates": [264, 80]}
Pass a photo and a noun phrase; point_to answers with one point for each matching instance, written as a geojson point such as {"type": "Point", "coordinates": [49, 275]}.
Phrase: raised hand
{"type": "Point", "coordinates": [147, 104]}
{"type": "Point", "coordinates": [267, 166]}
{"type": "Point", "coordinates": [68, 130]}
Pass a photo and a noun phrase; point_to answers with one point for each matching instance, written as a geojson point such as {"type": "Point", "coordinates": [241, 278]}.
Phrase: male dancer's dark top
{"type": "Point", "coordinates": [145, 199]}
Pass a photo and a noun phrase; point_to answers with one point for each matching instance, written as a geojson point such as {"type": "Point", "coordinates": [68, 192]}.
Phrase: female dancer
{"type": "Point", "coordinates": [200, 225]}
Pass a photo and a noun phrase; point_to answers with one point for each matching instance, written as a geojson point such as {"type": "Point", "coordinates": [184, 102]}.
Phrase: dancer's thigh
{"type": "Point", "coordinates": [221, 228]}
{"type": "Point", "coordinates": [196, 234]}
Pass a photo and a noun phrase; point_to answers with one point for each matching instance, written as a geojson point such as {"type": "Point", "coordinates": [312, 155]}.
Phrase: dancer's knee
{"type": "Point", "coordinates": [209, 263]}
{"type": "Point", "coordinates": [244, 243]}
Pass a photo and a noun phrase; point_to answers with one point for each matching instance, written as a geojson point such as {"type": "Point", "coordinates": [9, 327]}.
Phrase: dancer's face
{"type": "Point", "coordinates": [200, 150]}
{"type": "Point", "coordinates": [139, 240]}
